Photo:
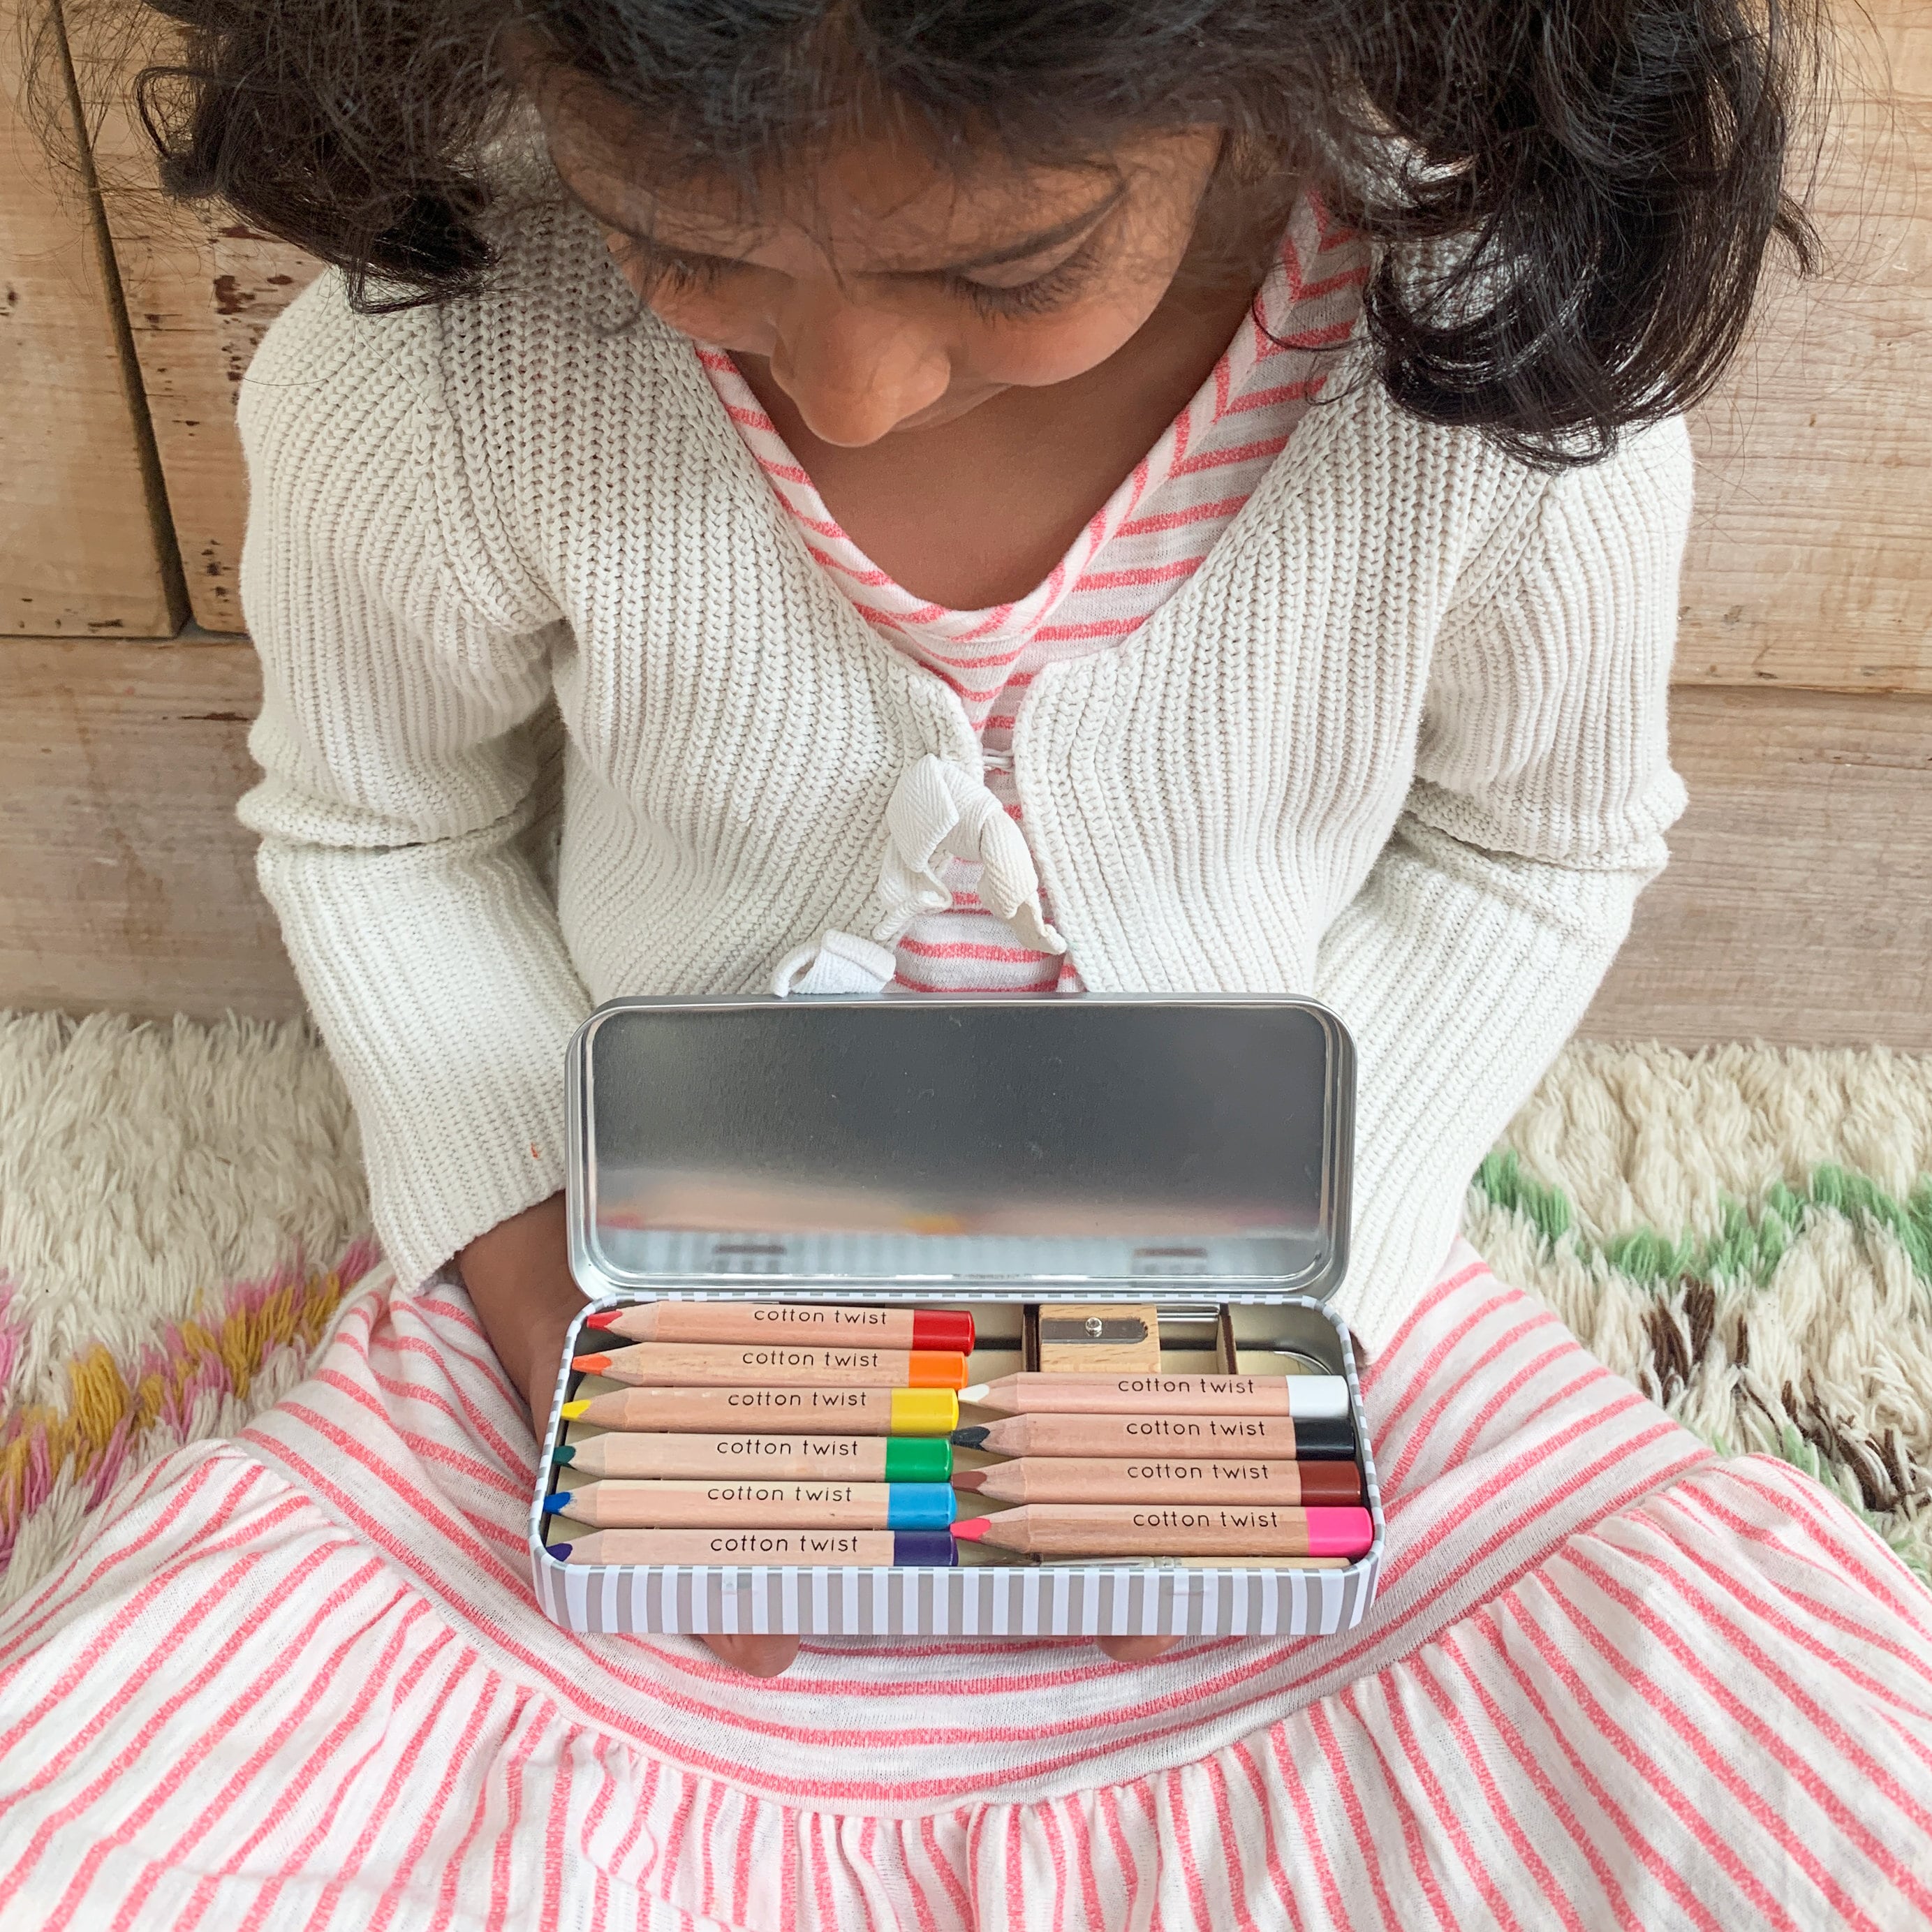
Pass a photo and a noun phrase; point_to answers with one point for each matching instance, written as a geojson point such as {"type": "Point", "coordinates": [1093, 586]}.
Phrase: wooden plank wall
{"type": "Point", "coordinates": [127, 882]}
{"type": "Point", "coordinates": [1811, 560]}
{"type": "Point", "coordinates": [201, 289]}
{"type": "Point", "coordinates": [84, 546]}
{"type": "Point", "coordinates": [1798, 903]}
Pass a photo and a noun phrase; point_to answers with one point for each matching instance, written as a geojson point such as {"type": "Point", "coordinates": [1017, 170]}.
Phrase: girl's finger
{"type": "Point", "coordinates": [1136, 1649]}
{"type": "Point", "coordinates": [762, 1656]}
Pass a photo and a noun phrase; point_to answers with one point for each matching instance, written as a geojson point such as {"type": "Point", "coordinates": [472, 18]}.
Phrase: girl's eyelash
{"type": "Point", "coordinates": [1044, 292]}
{"type": "Point", "coordinates": [681, 273]}
{"type": "Point", "coordinates": [685, 274]}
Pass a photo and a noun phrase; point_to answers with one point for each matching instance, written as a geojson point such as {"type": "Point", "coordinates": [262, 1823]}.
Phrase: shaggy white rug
{"type": "Point", "coordinates": [1745, 1233]}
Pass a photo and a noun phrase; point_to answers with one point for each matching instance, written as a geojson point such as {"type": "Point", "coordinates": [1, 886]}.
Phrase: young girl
{"type": "Point", "coordinates": [1203, 481]}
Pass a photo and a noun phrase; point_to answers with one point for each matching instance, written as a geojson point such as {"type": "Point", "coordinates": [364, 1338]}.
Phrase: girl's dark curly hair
{"type": "Point", "coordinates": [1607, 175]}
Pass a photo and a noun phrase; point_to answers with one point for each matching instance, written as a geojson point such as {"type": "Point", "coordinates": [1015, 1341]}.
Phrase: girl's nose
{"type": "Point", "coordinates": [855, 373]}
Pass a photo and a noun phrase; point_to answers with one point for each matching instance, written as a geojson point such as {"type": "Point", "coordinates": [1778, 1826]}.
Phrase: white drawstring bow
{"type": "Point", "coordinates": [938, 812]}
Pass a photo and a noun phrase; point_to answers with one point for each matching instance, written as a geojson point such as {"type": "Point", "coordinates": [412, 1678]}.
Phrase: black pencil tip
{"type": "Point", "coordinates": [972, 1437]}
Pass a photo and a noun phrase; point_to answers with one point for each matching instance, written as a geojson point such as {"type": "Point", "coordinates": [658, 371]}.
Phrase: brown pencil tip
{"type": "Point", "coordinates": [969, 1479]}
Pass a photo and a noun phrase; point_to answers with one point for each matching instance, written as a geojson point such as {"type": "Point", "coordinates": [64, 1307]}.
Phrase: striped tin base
{"type": "Point", "coordinates": [1113, 1600]}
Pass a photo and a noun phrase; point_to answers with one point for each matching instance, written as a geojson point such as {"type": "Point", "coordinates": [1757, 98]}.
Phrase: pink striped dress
{"type": "Point", "coordinates": [298, 1680]}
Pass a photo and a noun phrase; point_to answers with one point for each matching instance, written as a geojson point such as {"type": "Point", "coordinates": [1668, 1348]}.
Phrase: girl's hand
{"type": "Point", "coordinates": [518, 1276]}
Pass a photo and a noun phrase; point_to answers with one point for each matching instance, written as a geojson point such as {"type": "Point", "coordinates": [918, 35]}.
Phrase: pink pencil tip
{"type": "Point", "coordinates": [971, 1529]}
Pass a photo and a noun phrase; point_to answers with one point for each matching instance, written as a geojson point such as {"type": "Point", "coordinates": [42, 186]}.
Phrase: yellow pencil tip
{"type": "Point", "coordinates": [571, 1411]}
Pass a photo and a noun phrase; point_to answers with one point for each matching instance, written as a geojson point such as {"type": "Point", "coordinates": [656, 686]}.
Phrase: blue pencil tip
{"type": "Point", "coordinates": [556, 1503]}
{"type": "Point", "coordinates": [559, 1550]}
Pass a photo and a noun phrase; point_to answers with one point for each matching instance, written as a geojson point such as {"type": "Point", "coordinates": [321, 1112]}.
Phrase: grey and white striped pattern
{"type": "Point", "coordinates": [1022, 1600]}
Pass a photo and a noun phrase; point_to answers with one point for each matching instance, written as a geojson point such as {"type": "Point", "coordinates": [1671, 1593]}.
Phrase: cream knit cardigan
{"type": "Point", "coordinates": [1399, 743]}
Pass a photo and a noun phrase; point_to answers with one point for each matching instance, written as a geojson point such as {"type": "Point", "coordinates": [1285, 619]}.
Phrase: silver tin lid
{"type": "Point", "coordinates": [995, 1146]}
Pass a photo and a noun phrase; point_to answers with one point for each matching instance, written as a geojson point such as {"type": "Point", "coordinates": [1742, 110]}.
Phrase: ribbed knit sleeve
{"type": "Point", "coordinates": [1543, 791]}
{"type": "Point", "coordinates": [403, 740]}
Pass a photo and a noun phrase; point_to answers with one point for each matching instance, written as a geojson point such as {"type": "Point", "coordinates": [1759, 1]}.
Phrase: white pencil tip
{"type": "Point", "coordinates": [977, 1393]}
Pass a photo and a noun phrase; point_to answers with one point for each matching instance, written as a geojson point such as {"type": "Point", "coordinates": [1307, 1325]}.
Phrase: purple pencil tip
{"type": "Point", "coordinates": [561, 1551]}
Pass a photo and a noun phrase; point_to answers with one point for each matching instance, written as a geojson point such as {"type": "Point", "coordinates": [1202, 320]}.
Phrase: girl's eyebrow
{"type": "Point", "coordinates": [1056, 236]}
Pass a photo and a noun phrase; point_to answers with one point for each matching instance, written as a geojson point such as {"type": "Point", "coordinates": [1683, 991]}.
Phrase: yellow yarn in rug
{"type": "Point", "coordinates": [100, 1431]}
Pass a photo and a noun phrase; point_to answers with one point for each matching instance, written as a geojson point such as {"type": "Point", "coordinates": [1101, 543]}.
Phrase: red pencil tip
{"type": "Point", "coordinates": [970, 1529]}
{"type": "Point", "coordinates": [591, 1365]}
{"type": "Point", "coordinates": [604, 1318]}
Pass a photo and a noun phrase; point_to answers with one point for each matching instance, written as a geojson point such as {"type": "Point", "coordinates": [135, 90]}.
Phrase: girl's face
{"type": "Point", "coordinates": [887, 292]}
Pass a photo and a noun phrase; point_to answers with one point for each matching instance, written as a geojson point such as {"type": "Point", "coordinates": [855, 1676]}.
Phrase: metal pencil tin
{"type": "Point", "coordinates": [989, 1152]}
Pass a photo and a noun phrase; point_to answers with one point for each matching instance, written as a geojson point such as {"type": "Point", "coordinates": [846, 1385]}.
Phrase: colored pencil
{"type": "Point", "coordinates": [812, 1549]}
{"type": "Point", "coordinates": [780, 1364]}
{"type": "Point", "coordinates": [858, 1459]}
{"type": "Point", "coordinates": [1278, 1439]}
{"type": "Point", "coordinates": [811, 1411]}
{"type": "Point", "coordinates": [1076, 1479]}
{"type": "Point", "coordinates": [1300, 1397]}
{"type": "Point", "coordinates": [615, 1505]}
{"type": "Point", "coordinates": [1131, 1529]}
{"type": "Point", "coordinates": [938, 1330]}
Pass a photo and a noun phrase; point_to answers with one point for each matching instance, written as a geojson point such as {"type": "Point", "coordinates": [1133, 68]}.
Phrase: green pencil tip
{"type": "Point", "coordinates": [566, 1453]}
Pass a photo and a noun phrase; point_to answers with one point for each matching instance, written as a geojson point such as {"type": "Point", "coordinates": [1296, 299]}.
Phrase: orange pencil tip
{"type": "Point", "coordinates": [970, 1529]}
{"type": "Point", "coordinates": [591, 1365]}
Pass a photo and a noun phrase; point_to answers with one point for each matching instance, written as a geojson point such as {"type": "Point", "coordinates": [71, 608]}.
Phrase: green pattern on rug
{"type": "Point", "coordinates": [1751, 1245]}
{"type": "Point", "coordinates": [1745, 1233]}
